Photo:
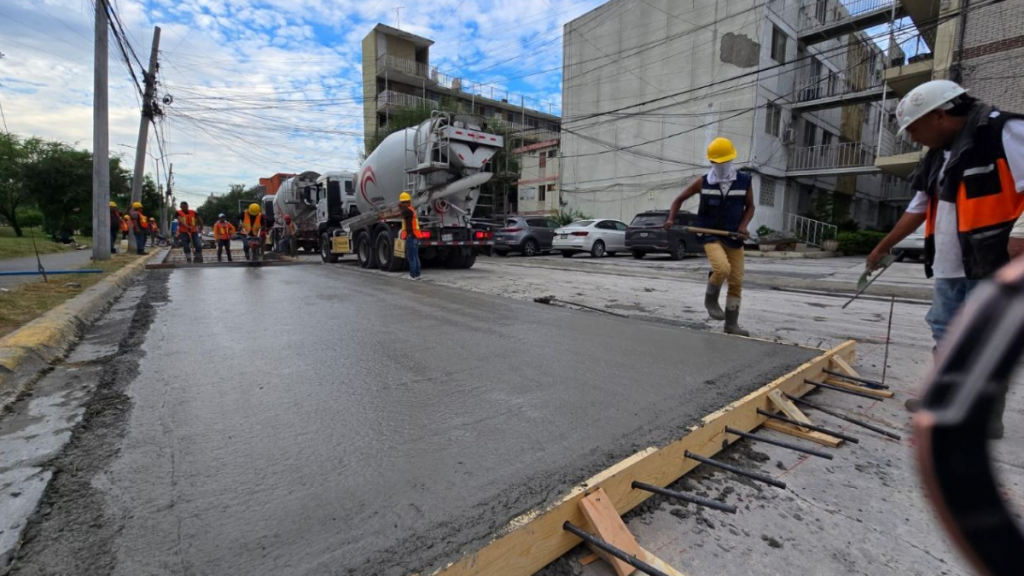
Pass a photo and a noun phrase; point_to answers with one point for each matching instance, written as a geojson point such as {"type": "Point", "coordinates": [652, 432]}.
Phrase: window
{"type": "Point", "coordinates": [543, 160]}
{"type": "Point", "coordinates": [542, 191]}
{"type": "Point", "coordinates": [606, 225]}
{"type": "Point", "coordinates": [820, 10]}
{"type": "Point", "coordinates": [810, 131]}
{"type": "Point", "coordinates": [648, 220]}
{"type": "Point", "coordinates": [552, 153]}
{"type": "Point", "coordinates": [537, 223]}
{"type": "Point", "coordinates": [619, 226]}
{"type": "Point", "coordinates": [826, 141]}
{"type": "Point", "coordinates": [778, 45]}
{"type": "Point", "coordinates": [553, 225]}
{"type": "Point", "coordinates": [349, 189]}
{"type": "Point", "coordinates": [773, 119]}
{"type": "Point", "coordinates": [767, 195]}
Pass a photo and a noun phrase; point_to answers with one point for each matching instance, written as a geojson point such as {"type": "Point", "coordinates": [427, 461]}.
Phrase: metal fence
{"type": "Point", "coordinates": [831, 156]}
{"type": "Point", "coordinates": [822, 13]}
{"type": "Point", "coordinates": [828, 84]}
{"type": "Point", "coordinates": [391, 98]}
{"type": "Point", "coordinates": [814, 232]}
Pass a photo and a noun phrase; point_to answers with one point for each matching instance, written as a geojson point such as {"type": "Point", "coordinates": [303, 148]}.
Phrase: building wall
{"type": "Point", "coordinates": [539, 167]}
{"type": "Point", "coordinates": [993, 50]}
{"type": "Point", "coordinates": [369, 85]}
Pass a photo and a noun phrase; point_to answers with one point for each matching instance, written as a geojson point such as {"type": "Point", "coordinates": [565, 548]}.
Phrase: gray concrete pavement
{"type": "Point", "coordinates": [56, 261]}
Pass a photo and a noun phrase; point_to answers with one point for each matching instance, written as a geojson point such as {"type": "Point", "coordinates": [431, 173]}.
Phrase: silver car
{"type": "Point", "coordinates": [529, 236]}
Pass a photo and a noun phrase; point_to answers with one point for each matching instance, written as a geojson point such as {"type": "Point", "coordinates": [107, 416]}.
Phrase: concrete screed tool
{"type": "Point", "coordinates": [864, 283]}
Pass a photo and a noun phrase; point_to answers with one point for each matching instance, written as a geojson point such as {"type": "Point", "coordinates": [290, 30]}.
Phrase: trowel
{"type": "Point", "coordinates": [866, 280]}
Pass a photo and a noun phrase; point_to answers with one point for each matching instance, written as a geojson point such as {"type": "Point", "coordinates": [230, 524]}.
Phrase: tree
{"type": "Point", "coordinates": [59, 178]}
{"type": "Point", "coordinates": [14, 154]}
{"type": "Point", "coordinates": [227, 203]}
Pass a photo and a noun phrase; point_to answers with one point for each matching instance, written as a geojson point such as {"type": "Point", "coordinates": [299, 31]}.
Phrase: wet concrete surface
{"type": "Point", "coordinates": [320, 420]}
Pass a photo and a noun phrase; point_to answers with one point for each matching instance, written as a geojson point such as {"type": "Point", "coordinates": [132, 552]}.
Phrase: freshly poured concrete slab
{"type": "Point", "coordinates": [316, 420]}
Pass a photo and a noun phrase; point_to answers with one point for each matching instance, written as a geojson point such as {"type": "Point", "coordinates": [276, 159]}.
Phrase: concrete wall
{"type": "Point", "coordinates": [993, 52]}
{"type": "Point", "coordinates": [369, 85]}
{"type": "Point", "coordinates": [539, 168]}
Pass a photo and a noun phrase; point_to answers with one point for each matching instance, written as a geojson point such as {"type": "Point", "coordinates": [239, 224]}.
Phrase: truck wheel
{"type": "Point", "coordinates": [469, 261]}
{"type": "Point", "coordinates": [456, 259]}
{"type": "Point", "coordinates": [325, 250]}
{"type": "Point", "coordinates": [386, 260]}
{"type": "Point", "coordinates": [364, 251]}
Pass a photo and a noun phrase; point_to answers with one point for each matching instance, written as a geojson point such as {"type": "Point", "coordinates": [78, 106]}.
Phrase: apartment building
{"type": "Point", "coordinates": [397, 74]}
{"type": "Point", "coordinates": [647, 86]}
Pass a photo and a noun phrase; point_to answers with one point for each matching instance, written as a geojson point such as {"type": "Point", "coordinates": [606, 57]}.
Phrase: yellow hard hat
{"type": "Point", "coordinates": [127, 217]}
{"type": "Point", "coordinates": [721, 150]}
{"type": "Point", "coordinates": [254, 209]}
{"type": "Point", "coordinates": [136, 205]}
{"type": "Point", "coordinates": [405, 197]}
{"type": "Point", "coordinates": [113, 204]}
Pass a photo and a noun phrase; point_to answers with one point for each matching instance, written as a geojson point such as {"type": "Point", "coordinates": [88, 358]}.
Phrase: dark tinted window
{"type": "Point", "coordinates": [620, 225]}
{"type": "Point", "coordinates": [606, 225]}
{"type": "Point", "coordinates": [648, 220]}
{"type": "Point", "coordinates": [552, 224]}
{"type": "Point", "coordinates": [537, 222]}
{"type": "Point", "coordinates": [684, 219]}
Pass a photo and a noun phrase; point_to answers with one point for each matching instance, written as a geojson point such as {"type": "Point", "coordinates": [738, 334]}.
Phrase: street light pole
{"type": "Point", "coordinates": [100, 141]}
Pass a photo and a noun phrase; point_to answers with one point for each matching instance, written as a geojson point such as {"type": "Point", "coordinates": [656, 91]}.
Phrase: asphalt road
{"type": "Point", "coordinates": [323, 420]}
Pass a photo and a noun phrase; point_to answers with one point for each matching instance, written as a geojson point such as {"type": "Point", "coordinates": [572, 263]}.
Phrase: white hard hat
{"type": "Point", "coordinates": [925, 98]}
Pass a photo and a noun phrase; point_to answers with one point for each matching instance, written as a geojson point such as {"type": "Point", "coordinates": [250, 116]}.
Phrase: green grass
{"type": "Point", "coordinates": [13, 247]}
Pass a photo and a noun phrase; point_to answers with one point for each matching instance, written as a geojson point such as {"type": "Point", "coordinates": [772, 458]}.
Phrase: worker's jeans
{"type": "Point", "coordinates": [947, 299]}
{"type": "Point", "coordinates": [412, 254]}
{"type": "Point", "coordinates": [140, 242]}
{"type": "Point", "coordinates": [226, 246]}
{"type": "Point", "coordinates": [726, 264]}
{"type": "Point", "coordinates": [113, 240]}
{"type": "Point", "coordinates": [190, 242]}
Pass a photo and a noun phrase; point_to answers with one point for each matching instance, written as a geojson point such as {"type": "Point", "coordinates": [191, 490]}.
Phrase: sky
{"type": "Point", "coordinates": [258, 86]}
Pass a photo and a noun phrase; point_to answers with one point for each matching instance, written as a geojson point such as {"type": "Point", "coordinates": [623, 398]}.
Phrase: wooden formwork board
{"type": "Point", "coordinates": [536, 539]}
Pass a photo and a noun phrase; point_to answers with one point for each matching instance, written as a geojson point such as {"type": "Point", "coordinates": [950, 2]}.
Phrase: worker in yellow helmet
{"type": "Point", "coordinates": [190, 226]}
{"type": "Point", "coordinates": [115, 226]}
{"type": "Point", "coordinates": [410, 233]}
{"type": "Point", "coordinates": [139, 226]}
{"type": "Point", "coordinates": [726, 204]}
{"type": "Point", "coordinates": [252, 225]}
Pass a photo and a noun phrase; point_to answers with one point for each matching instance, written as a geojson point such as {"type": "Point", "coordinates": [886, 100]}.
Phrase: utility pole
{"type": "Point", "coordinates": [100, 141]}
{"type": "Point", "coordinates": [147, 117]}
{"type": "Point", "coordinates": [398, 17]}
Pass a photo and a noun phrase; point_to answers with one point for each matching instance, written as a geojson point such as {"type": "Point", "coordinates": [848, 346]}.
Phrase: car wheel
{"type": "Point", "coordinates": [597, 250]}
{"type": "Point", "coordinates": [566, 254]}
{"type": "Point", "coordinates": [678, 251]}
{"type": "Point", "coordinates": [530, 247]}
{"type": "Point", "coordinates": [639, 255]}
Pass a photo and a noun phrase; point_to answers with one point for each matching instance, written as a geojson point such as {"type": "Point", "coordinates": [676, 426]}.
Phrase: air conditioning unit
{"type": "Point", "coordinates": [788, 135]}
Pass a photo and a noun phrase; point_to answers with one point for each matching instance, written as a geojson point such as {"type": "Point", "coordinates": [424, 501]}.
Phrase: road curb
{"type": "Point", "coordinates": [29, 350]}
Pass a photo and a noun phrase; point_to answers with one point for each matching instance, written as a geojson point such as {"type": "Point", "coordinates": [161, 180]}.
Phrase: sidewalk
{"type": "Point", "coordinates": [58, 261]}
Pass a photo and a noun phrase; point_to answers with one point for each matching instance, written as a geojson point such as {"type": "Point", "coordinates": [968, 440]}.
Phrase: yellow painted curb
{"type": "Point", "coordinates": [27, 351]}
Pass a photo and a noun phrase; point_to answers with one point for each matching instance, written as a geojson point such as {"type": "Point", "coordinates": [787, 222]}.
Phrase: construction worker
{"type": "Point", "coordinates": [287, 244]}
{"type": "Point", "coordinates": [140, 227]}
{"type": "Point", "coordinates": [116, 221]}
{"type": "Point", "coordinates": [968, 195]}
{"type": "Point", "coordinates": [410, 233]}
{"type": "Point", "coordinates": [190, 225]}
{"type": "Point", "coordinates": [154, 227]}
{"type": "Point", "coordinates": [726, 204]}
{"type": "Point", "coordinates": [126, 224]}
{"type": "Point", "coordinates": [222, 233]}
{"type": "Point", "coordinates": [252, 225]}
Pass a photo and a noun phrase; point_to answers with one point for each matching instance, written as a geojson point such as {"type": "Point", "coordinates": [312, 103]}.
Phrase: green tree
{"type": "Point", "coordinates": [227, 203]}
{"type": "Point", "coordinates": [59, 178]}
{"type": "Point", "coordinates": [14, 155]}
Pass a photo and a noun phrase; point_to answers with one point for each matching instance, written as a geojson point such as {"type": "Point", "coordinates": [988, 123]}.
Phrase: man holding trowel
{"type": "Point", "coordinates": [726, 207]}
{"type": "Point", "coordinates": [970, 196]}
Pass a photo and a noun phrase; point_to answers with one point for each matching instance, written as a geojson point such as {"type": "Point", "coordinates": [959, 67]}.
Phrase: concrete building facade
{"type": "Point", "coordinates": [647, 86]}
{"type": "Point", "coordinates": [538, 185]}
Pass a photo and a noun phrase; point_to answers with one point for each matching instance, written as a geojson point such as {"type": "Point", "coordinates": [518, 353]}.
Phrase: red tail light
{"type": "Point", "coordinates": [511, 229]}
{"type": "Point", "coordinates": [425, 234]}
{"type": "Point", "coordinates": [580, 233]}
{"type": "Point", "coordinates": [480, 235]}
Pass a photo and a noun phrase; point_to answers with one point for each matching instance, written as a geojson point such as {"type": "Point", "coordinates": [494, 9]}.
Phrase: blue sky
{"type": "Point", "coordinates": [259, 86]}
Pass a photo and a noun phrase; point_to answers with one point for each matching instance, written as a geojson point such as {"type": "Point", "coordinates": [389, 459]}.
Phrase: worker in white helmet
{"type": "Point", "coordinates": [968, 194]}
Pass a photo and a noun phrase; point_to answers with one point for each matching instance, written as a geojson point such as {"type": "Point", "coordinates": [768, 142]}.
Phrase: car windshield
{"type": "Point", "coordinates": [580, 224]}
{"type": "Point", "coordinates": [648, 220]}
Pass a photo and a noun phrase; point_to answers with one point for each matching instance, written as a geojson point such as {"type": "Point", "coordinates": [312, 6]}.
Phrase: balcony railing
{"type": "Point", "coordinates": [827, 13]}
{"type": "Point", "coordinates": [403, 65]}
{"type": "Point", "coordinates": [391, 98]}
{"type": "Point", "coordinates": [831, 157]}
{"type": "Point", "coordinates": [832, 84]}
{"type": "Point", "coordinates": [896, 190]}
{"type": "Point", "coordinates": [813, 232]}
{"type": "Point", "coordinates": [892, 144]}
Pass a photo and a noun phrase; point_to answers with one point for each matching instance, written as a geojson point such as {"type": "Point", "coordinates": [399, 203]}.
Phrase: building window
{"type": "Point", "coordinates": [773, 119]}
{"type": "Point", "coordinates": [543, 160]}
{"type": "Point", "coordinates": [820, 10]}
{"type": "Point", "coordinates": [778, 45]}
{"type": "Point", "coordinates": [552, 153]}
{"type": "Point", "coordinates": [810, 131]}
{"type": "Point", "coordinates": [542, 193]}
{"type": "Point", "coordinates": [767, 195]}
{"type": "Point", "coordinates": [826, 141]}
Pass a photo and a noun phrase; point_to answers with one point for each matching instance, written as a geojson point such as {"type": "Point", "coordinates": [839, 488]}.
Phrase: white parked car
{"type": "Point", "coordinates": [599, 237]}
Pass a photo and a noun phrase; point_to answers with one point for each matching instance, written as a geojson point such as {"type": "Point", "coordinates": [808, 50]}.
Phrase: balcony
{"type": "Point", "coordinates": [389, 100]}
{"type": "Point", "coordinates": [896, 190]}
{"type": "Point", "coordinates": [833, 89]}
{"type": "Point", "coordinates": [822, 20]}
{"type": "Point", "coordinates": [842, 159]}
{"type": "Point", "coordinates": [902, 78]}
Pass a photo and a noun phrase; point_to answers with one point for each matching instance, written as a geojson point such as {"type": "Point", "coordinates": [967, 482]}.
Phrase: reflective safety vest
{"type": "Point", "coordinates": [723, 210]}
{"type": "Point", "coordinates": [124, 224]}
{"type": "Point", "coordinates": [223, 231]}
{"type": "Point", "coordinates": [187, 222]}
{"type": "Point", "coordinates": [140, 223]}
{"type": "Point", "coordinates": [252, 225]}
{"type": "Point", "coordinates": [409, 219]}
{"type": "Point", "coordinates": [978, 180]}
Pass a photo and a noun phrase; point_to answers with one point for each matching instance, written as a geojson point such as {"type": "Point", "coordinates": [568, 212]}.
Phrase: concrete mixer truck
{"type": "Point", "coordinates": [296, 198]}
{"type": "Point", "coordinates": [442, 163]}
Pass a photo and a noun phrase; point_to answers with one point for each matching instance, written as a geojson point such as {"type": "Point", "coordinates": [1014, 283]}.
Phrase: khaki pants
{"type": "Point", "coordinates": [726, 264]}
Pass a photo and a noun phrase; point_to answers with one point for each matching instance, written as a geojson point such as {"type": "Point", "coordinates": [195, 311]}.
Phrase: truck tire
{"type": "Point", "coordinates": [469, 261]}
{"type": "Point", "coordinates": [364, 251]}
{"type": "Point", "coordinates": [457, 258]}
{"type": "Point", "coordinates": [385, 253]}
{"type": "Point", "coordinates": [325, 250]}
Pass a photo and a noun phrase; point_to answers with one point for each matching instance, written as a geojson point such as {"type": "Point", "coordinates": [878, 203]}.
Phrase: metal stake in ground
{"type": "Point", "coordinates": [779, 443]}
{"type": "Point", "coordinates": [735, 470]}
{"type": "Point", "coordinates": [888, 338]}
{"type": "Point", "coordinates": [843, 390]}
{"type": "Point", "coordinates": [782, 418]}
{"type": "Point", "coordinates": [690, 498]}
{"type": "Point", "coordinates": [864, 283]}
{"type": "Point", "coordinates": [857, 380]}
{"type": "Point", "coordinates": [609, 549]}
{"type": "Point", "coordinates": [39, 262]}
{"type": "Point", "coordinates": [842, 416]}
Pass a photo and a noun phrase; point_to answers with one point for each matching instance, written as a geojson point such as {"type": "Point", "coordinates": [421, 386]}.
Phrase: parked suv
{"type": "Point", "coordinates": [530, 236]}
{"type": "Point", "coordinates": [646, 235]}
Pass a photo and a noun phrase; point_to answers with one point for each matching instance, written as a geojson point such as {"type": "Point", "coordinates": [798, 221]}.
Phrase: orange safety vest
{"type": "Point", "coordinates": [415, 226]}
{"type": "Point", "coordinates": [142, 224]}
{"type": "Point", "coordinates": [252, 226]}
{"type": "Point", "coordinates": [978, 179]}
{"type": "Point", "coordinates": [223, 231]}
{"type": "Point", "coordinates": [187, 222]}
{"type": "Point", "coordinates": [124, 224]}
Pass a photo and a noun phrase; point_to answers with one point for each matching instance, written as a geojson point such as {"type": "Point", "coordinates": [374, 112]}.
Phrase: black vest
{"type": "Point", "coordinates": [723, 211]}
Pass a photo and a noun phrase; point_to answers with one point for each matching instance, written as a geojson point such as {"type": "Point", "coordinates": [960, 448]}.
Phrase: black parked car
{"type": "Point", "coordinates": [645, 235]}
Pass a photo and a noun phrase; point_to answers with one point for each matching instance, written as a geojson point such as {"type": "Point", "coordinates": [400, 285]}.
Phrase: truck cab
{"type": "Point", "coordinates": [335, 195]}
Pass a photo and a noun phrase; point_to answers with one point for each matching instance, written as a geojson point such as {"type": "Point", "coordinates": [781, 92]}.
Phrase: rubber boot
{"type": "Point", "coordinates": [732, 317]}
{"type": "Point", "coordinates": [995, 423]}
{"type": "Point", "coordinates": [711, 302]}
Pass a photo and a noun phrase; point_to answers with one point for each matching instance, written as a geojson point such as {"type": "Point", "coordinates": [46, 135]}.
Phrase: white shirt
{"type": "Point", "coordinates": [948, 254]}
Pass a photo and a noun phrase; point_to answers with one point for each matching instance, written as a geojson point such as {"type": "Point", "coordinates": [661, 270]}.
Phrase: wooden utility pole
{"type": "Point", "coordinates": [100, 141]}
{"type": "Point", "coordinates": [147, 117]}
